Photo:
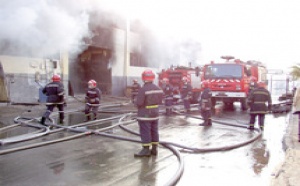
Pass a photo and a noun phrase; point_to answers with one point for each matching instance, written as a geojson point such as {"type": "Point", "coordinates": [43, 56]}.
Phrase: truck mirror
{"type": "Point", "coordinates": [197, 71]}
{"type": "Point", "coordinates": [54, 64]}
{"type": "Point", "coordinates": [248, 72]}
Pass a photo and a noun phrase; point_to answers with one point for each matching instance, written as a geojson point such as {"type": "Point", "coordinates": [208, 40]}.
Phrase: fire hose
{"type": "Point", "coordinates": [83, 131]}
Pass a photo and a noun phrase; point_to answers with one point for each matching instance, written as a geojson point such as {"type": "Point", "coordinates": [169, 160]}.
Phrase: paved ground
{"type": "Point", "coordinates": [286, 174]}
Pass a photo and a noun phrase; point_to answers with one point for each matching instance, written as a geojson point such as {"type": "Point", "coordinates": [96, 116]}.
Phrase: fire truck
{"type": "Point", "coordinates": [175, 75]}
{"type": "Point", "coordinates": [229, 81]}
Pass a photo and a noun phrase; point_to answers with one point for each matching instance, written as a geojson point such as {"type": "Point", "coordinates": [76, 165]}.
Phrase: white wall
{"type": "Point", "coordinates": [21, 75]}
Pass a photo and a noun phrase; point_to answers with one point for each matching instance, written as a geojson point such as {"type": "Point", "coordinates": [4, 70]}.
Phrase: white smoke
{"type": "Point", "coordinates": [41, 27]}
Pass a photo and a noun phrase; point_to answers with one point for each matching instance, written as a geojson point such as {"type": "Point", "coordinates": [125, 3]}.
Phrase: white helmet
{"type": "Point", "coordinates": [92, 83]}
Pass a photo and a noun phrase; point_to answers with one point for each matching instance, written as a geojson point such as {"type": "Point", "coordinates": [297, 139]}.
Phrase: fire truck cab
{"type": "Point", "coordinates": [229, 81]}
{"type": "Point", "coordinates": [175, 75]}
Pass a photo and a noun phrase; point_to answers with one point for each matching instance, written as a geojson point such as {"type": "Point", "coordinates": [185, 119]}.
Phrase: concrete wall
{"type": "Point", "coordinates": [122, 72]}
{"type": "Point", "coordinates": [25, 76]}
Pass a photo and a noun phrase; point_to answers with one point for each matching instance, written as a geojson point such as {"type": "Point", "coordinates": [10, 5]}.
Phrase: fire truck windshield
{"type": "Point", "coordinates": [223, 71]}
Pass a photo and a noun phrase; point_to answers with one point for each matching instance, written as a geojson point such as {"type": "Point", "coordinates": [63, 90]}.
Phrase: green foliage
{"type": "Point", "coordinates": [295, 72]}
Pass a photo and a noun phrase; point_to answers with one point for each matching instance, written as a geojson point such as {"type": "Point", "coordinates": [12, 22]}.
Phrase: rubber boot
{"type": "Point", "coordinates": [209, 122]}
{"type": "Point", "coordinates": [145, 152]}
{"type": "Point", "coordinates": [261, 127]}
{"type": "Point", "coordinates": [251, 127]}
{"type": "Point", "coordinates": [87, 118]}
{"type": "Point", "coordinates": [154, 150]}
{"type": "Point", "coordinates": [168, 112]}
{"type": "Point", "coordinates": [43, 120]}
{"type": "Point", "coordinates": [205, 123]}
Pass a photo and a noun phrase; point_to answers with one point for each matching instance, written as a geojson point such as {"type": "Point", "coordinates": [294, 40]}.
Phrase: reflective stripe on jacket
{"type": "Point", "coordinates": [257, 101]}
{"type": "Point", "coordinates": [148, 99]}
{"type": "Point", "coordinates": [54, 92]}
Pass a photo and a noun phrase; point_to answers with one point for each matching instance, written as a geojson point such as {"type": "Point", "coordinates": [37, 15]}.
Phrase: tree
{"type": "Point", "coordinates": [295, 73]}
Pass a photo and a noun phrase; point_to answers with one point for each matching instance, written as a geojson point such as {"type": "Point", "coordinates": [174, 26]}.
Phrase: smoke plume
{"type": "Point", "coordinates": [41, 27]}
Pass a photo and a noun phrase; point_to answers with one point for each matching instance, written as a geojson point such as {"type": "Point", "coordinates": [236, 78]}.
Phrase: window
{"type": "Point", "coordinates": [136, 60]}
{"type": "Point", "coordinates": [223, 71]}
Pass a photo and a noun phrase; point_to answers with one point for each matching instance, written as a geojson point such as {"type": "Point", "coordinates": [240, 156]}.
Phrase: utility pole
{"type": "Point", "coordinates": [127, 51]}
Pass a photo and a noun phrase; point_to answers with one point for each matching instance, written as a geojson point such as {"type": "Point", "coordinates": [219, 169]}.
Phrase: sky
{"type": "Point", "coordinates": [262, 30]}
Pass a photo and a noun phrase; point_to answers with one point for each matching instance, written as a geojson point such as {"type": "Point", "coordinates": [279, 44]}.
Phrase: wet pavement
{"type": "Point", "coordinates": [99, 160]}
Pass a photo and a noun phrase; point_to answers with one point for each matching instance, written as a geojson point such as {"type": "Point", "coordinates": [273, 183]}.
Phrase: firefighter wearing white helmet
{"type": "Point", "coordinates": [148, 100]}
{"type": "Point", "coordinates": [92, 99]}
{"type": "Point", "coordinates": [55, 98]}
{"type": "Point", "coordinates": [186, 94]}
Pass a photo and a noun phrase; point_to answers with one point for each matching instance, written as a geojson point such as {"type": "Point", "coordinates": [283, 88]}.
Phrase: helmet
{"type": "Point", "coordinates": [92, 83]}
{"type": "Point", "coordinates": [148, 75]}
{"type": "Point", "coordinates": [261, 84]}
{"type": "Point", "coordinates": [184, 79]}
{"type": "Point", "coordinates": [56, 78]}
{"type": "Point", "coordinates": [166, 80]}
{"type": "Point", "coordinates": [252, 78]}
{"type": "Point", "coordinates": [204, 84]}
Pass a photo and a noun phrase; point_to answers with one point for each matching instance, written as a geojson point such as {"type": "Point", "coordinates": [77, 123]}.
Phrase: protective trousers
{"type": "Point", "coordinates": [88, 109]}
{"type": "Point", "coordinates": [50, 109]}
{"type": "Point", "coordinates": [149, 132]}
{"type": "Point", "coordinates": [169, 105]}
{"type": "Point", "coordinates": [206, 115]}
{"type": "Point", "coordinates": [187, 104]}
{"type": "Point", "coordinates": [261, 120]}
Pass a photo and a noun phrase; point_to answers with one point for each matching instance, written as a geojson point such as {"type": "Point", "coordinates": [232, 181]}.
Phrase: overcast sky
{"type": "Point", "coordinates": [263, 30]}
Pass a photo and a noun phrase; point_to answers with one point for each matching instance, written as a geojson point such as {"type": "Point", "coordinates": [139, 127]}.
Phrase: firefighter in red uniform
{"type": "Point", "coordinates": [148, 100]}
{"type": "Point", "coordinates": [55, 98]}
{"type": "Point", "coordinates": [168, 93]}
{"type": "Point", "coordinates": [257, 102]}
{"type": "Point", "coordinates": [186, 94]}
{"type": "Point", "coordinates": [205, 104]}
{"type": "Point", "coordinates": [134, 90]}
{"type": "Point", "coordinates": [92, 99]}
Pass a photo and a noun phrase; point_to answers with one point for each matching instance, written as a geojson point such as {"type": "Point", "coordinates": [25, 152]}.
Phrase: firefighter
{"type": "Point", "coordinates": [148, 100]}
{"type": "Point", "coordinates": [168, 95]}
{"type": "Point", "coordinates": [134, 90]}
{"type": "Point", "coordinates": [205, 104]}
{"type": "Point", "coordinates": [55, 98]}
{"type": "Point", "coordinates": [92, 100]}
{"type": "Point", "coordinates": [186, 94]}
{"type": "Point", "coordinates": [257, 102]}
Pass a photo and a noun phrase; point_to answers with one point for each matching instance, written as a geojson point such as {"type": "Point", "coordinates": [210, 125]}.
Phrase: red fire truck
{"type": "Point", "coordinates": [229, 81]}
{"type": "Point", "coordinates": [175, 74]}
